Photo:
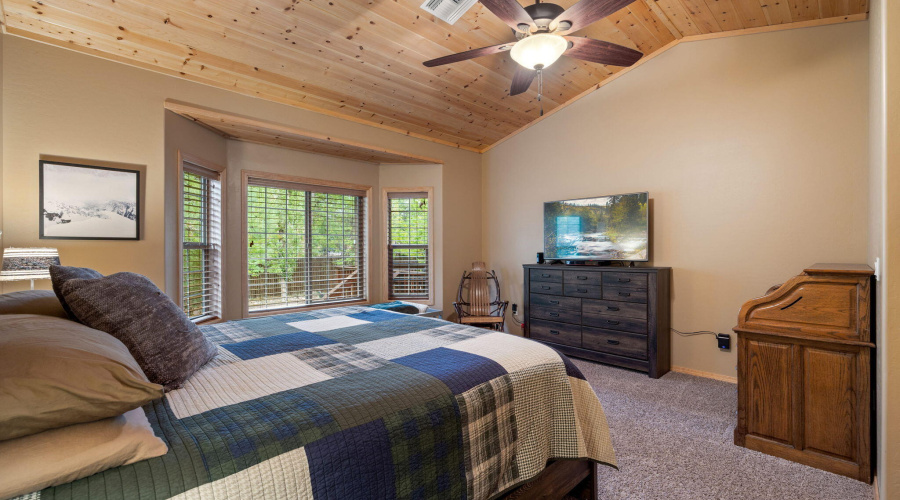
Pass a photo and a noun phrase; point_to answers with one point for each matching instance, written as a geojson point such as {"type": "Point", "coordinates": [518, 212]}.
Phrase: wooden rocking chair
{"type": "Point", "coordinates": [483, 307]}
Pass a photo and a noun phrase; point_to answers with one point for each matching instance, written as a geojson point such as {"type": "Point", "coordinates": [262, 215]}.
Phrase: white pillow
{"type": "Point", "coordinates": [58, 456]}
{"type": "Point", "coordinates": [421, 307]}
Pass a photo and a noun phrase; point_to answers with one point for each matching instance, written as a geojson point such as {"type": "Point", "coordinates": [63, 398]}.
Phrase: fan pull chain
{"type": "Point", "coordinates": [541, 90]}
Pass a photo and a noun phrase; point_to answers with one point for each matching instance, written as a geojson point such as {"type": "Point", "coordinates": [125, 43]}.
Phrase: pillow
{"type": "Point", "coordinates": [42, 302]}
{"type": "Point", "coordinates": [55, 372]}
{"type": "Point", "coordinates": [167, 345]}
{"type": "Point", "coordinates": [61, 274]}
{"type": "Point", "coordinates": [58, 456]}
{"type": "Point", "coordinates": [397, 306]}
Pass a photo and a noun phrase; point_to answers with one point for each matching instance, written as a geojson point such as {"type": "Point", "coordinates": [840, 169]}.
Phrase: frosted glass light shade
{"type": "Point", "coordinates": [538, 50]}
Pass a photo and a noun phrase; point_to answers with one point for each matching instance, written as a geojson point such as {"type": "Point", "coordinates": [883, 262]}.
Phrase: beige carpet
{"type": "Point", "coordinates": [673, 440]}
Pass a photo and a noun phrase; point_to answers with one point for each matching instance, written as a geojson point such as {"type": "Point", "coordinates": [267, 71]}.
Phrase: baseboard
{"type": "Point", "coordinates": [875, 493]}
{"type": "Point", "coordinates": [700, 373]}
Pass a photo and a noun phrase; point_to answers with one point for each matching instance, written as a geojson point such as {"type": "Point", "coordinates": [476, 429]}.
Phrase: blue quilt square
{"type": "Point", "coordinates": [354, 463]}
{"type": "Point", "coordinates": [267, 346]}
{"type": "Point", "coordinates": [460, 370]}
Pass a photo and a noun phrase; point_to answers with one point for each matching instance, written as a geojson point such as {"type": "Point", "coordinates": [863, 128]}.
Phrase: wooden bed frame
{"type": "Point", "coordinates": [577, 478]}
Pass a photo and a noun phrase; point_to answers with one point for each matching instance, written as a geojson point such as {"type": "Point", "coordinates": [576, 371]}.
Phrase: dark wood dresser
{"type": "Point", "coordinates": [614, 315]}
{"type": "Point", "coordinates": [805, 370]}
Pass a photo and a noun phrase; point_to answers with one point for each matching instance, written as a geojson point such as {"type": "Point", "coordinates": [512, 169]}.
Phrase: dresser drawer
{"type": "Point", "coordinates": [582, 278]}
{"type": "Point", "coordinates": [625, 294]}
{"type": "Point", "coordinates": [551, 275]}
{"type": "Point", "coordinates": [613, 308]}
{"type": "Point", "coordinates": [559, 333]}
{"type": "Point", "coordinates": [546, 287]}
{"type": "Point", "coordinates": [624, 344]}
{"type": "Point", "coordinates": [556, 314]}
{"type": "Point", "coordinates": [585, 291]}
{"type": "Point", "coordinates": [571, 303]}
{"type": "Point", "coordinates": [631, 280]}
{"type": "Point", "coordinates": [615, 323]}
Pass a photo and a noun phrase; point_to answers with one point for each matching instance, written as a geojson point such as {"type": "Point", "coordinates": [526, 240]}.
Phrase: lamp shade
{"type": "Point", "coordinates": [28, 263]}
{"type": "Point", "coordinates": [539, 51]}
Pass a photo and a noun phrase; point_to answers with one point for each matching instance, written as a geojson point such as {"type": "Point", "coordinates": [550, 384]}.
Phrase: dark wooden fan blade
{"type": "Point", "coordinates": [521, 80]}
{"type": "Point", "coordinates": [586, 12]}
{"type": "Point", "coordinates": [510, 12]}
{"type": "Point", "coordinates": [598, 51]}
{"type": "Point", "coordinates": [469, 54]}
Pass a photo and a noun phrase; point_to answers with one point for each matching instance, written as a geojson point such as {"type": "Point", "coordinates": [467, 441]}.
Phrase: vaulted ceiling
{"type": "Point", "coordinates": [362, 59]}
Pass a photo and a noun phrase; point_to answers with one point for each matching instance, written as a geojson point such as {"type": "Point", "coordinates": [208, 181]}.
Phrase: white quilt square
{"type": "Point", "coordinates": [403, 345]}
{"type": "Point", "coordinates": [219, 386]}
{"type": "Point", "coordinates": [325, 324]}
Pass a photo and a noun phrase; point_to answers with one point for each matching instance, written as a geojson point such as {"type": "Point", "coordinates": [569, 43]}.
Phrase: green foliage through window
{"type": "Point", "coordinates": [408, 259]}
{"type": "Point", "coordinates": [201, 221]}
{"type": "Point", "coordinates": [303, 247]}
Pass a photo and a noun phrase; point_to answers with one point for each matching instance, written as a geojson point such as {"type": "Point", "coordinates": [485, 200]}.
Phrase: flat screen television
{"type": "Point", "coordinates": [615, 227]}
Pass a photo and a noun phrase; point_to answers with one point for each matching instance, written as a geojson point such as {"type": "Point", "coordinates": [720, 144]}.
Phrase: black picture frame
{"type": "Point", "coordinates": [42, 201]}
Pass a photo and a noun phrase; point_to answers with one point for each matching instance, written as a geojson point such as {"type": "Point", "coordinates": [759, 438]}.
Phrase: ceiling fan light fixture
{"type": "Point", "coordinates": [539, 50]}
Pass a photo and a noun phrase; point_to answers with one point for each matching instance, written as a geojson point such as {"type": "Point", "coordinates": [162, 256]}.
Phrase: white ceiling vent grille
{"type": "Point", "coordinates": [448, 10]}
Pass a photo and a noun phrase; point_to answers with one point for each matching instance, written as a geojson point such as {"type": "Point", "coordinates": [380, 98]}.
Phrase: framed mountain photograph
{"type": "Point", "coordinates": [85, 202]}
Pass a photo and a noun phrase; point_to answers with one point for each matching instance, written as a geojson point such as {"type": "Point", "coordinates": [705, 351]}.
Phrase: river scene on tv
{"type": "Point", "coordinates": [606, 228]}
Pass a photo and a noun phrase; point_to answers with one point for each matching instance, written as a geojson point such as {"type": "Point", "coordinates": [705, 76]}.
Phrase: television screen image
{"type": "Point", "coordinates": [612, 227]}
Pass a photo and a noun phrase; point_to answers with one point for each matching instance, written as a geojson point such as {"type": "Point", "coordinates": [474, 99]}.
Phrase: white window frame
{"type": "Point", "coordinates": [385, 217]}
{"type": "Point", "coordinates": [246, 175]}
{"type": "Point", "coordinates": [184, 158]}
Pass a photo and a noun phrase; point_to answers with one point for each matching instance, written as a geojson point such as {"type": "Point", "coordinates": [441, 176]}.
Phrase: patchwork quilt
{"type": "Point", "coordinates": [356, 402]}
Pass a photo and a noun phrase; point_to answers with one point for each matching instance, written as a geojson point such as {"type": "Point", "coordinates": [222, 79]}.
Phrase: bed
{"type": "Point", "coordinates": [356, 402]}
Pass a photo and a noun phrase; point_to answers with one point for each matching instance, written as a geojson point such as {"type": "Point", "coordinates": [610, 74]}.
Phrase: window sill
{"type": "Point", "coordinates": [207, 320]}
{"type": "Point", "coordinates": [273, 312]}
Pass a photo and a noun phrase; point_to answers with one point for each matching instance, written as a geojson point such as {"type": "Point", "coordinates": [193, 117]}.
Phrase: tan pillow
{"type": "Point", "coordinates": [43, 302]}
{"type": "Point", "coordinates": [55, 372]}
{"type": "Point", "coordinates": [58, 456]}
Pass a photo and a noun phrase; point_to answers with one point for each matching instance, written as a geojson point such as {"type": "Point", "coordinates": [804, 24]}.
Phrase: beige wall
{"type": "Point", "coordinates": [753, 150]}
{"type": "Point", "coordinates": [73, 105]}
{"type": "Point", "coordinates": [412, 176]}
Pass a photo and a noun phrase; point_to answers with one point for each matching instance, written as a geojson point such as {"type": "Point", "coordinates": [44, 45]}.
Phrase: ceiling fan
{"type": "Point", "coordinates": [540, 30]}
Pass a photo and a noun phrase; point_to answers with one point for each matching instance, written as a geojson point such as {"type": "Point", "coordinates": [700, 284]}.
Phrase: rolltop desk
{"type": "Point", "coordinates": [805, 370]}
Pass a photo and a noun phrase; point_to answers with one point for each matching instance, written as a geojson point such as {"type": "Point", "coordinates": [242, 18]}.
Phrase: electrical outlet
{"type": "Point", "coordinates": [515, 309]}
{"type": "Point", "coordinates": [724, 341]}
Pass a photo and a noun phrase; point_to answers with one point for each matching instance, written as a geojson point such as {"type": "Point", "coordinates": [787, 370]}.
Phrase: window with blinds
{"type": "Point", "coordinates": [306, 245]}
{"type": "Point", "coordinates": [408, 259]}
{"type": "Point", "coordinates": [201, 241]}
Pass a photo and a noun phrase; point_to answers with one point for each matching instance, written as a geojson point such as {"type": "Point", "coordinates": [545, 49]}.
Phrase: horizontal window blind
{"type": "Point", "coordinates": [305, 245]}
{"type": "Point", "coordinates": [408, 259]}
{"type": "Point", "coordinates": [201, 242]}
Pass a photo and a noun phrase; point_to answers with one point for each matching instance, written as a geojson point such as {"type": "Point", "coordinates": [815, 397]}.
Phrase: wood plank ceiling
{"type": "Point", "coordinates": [362, 59]}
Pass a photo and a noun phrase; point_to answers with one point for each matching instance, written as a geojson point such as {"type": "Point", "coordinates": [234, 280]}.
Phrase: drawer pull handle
{"type": "Point", "coordinates": [611, 308]}
{"type": "Point", "coordinates": [554, 332]}
{"type": "Point", "coordinates": [792, 303]}
{"type": "Point", "coordinates": [545, 288]}
{"type": "Point", "coordinates": [554, 302]}
{"type": "Point", "coordinates": [624, 280]}
{"type": "Point", "coordinates": [545, 276]}
{"type": "Point", "coordinates": [581, 290]}
{"type": "Point", "coordinates": [611, 322]}
{"type": "Point", "coordinates": [613, 342]}
{"type": "Point", "coordinates": [625, 294]}
{"type": "Point", "coordinates": [582, 277]}
{"type": "Point", "coordinates": [555, 315]}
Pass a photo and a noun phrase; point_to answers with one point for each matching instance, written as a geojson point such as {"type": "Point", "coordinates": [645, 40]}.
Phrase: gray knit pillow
{"type": "Point", "coordinates": [165, 343]}
{"type": "Point", "coordinates": [61, 274]}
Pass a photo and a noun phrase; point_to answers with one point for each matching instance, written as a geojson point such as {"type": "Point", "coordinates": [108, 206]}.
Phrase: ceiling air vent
{"type": "Point", "coordinates": [448, 11]}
